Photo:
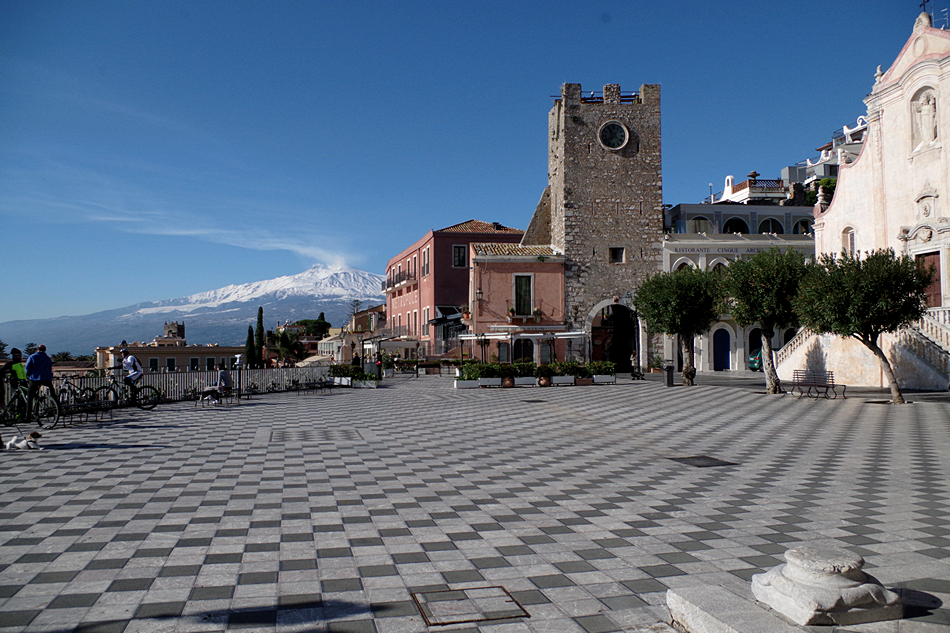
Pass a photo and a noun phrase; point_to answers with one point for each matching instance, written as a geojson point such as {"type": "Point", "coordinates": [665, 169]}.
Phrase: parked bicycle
{"type": "Point", "coordinates": [45, 412]}
{"type": "Point", "coordinates": [121, 394]}
{"type": "Point", "coordinates": [71, 394]}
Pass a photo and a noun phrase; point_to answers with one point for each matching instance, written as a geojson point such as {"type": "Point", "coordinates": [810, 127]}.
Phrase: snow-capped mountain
{"type": "Point", "coordinates": [216, 316]}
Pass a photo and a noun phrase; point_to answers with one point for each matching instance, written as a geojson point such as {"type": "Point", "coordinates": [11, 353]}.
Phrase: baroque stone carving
{"type": "Point", "coordinates": [925, 111]}
{"type": "Point", "coordinates": [825, 586]}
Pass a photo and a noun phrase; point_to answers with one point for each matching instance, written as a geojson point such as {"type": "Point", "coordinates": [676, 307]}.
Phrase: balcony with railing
{"type": "Point", "coordinates": [398, 280]}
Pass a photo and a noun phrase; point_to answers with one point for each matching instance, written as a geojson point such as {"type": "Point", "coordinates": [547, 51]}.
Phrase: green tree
{"type": "Point", "coordinates": [259, 338]}
{"type": "Point", "coordinates": [864, 297]}
{"type": "Point", "coordinates": [250, 349]}
{"type": "Point", "coordinates": [3, 350]}
{"type": "Point", "coordinates": [762, 289]}
{"type": "Point", "coordinates": [29, 349]}
{"type": "Point", "coordinates": [683, 303]}
{"type": "Point", "coordinates": [289, 346]}
{"type": "Point", "coordinates": [318, 327]}
{"type": "Point", "coordinates": [62, 357]}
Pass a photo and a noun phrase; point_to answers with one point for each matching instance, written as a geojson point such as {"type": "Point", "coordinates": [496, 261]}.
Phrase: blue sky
{"type": "Point", "coordinates": [150, 150]}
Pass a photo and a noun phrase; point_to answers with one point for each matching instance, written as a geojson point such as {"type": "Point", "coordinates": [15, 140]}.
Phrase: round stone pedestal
{"type": "Point", "coordinates": [825, 585]}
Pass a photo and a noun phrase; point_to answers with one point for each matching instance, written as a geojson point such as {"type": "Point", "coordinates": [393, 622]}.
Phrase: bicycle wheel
{"type": "Point", "coordinates": [11, 413]}
{"type": "Point", "coordinates": [47, 411]}
{"type": "Point", "coordinates": [68, 395]}
{"type": "Point", "coordinates": [107, 396]}
{"type": "Point", "coordinates": [148, 398]}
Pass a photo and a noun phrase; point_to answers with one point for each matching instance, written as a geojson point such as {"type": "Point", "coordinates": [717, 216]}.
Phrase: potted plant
{"type": "Point", "coordinates": [511, 314]}
{"type": "Point", "coordinates": [656, 364]}
{"type": "Point", "coordinates": [604, 372]}
{"type": "Point", "coordinates": [363, 380]}
{"type": "Point", "coordinates": [525, 374]}
{"type": "Point", "coordinates": [544, 374]}
{"type": "Point", "coordinates": [582, 375]}
{"type": "Point", "coordinates": [507, 374]}
{"type": "Point", "coordinates": [563, 373]}
{"type": "Point", "coordinates": [468, 375]}
{"type": "Point", "coordinates": [489, 375]}
{"type": "Point", "coordinates": [537, 314]}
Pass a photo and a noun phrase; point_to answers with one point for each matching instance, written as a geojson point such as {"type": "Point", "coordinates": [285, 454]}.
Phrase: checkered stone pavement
{"type": "Point", "coordinates": [346, 512]}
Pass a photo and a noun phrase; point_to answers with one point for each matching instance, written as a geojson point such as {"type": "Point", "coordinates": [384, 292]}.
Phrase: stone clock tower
{"type": "Point", "coordinates": [603, 207]}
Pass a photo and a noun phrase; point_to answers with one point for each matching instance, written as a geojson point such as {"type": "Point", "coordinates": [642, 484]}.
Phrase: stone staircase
{"type": "Point", "coordinates": [929, 340]}
{"type": "Point", "coordinates": [920, 353]}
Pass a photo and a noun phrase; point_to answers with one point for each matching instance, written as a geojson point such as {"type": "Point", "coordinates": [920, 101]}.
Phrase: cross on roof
{"type": "Point", "coordinates": [923, 5]}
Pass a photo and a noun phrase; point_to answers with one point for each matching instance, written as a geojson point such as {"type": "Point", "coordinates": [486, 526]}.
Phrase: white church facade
{"type": "Point", "coordinates": [895, 194]}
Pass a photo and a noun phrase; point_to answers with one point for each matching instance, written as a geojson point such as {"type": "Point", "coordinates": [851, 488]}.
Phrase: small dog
{"type": "Point", "coordinates": [30, 442]}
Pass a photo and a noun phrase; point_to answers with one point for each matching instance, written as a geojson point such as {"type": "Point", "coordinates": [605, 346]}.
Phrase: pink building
{"type": "Point", "coordinates": [427, 286]}
{"type": "Point", "coordinates": [517, 305]}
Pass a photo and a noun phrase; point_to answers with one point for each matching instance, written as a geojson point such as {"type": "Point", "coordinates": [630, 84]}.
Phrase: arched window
{"type": "Point", "coordinates": [771, 225]}
{"type": "Point", "coordinates": [802, 227]}
{"type": "Point", "coordinates": [735, 225]}
{"type": "Point", "coordinates": [847, 240]}
{"type": "Point", "coordinates": [699, 224]}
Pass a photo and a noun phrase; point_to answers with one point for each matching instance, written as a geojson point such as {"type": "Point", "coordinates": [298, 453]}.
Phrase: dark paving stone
{"type": "Point", "coordinates": [257, 578]}
{"type": "Point", "coordinates": [646, 585]}
{"type": "Point", "coordinates": [159, 610]}
{"type": "Point", "coordinates": [68, 601]}
{"type": "Point", "coordinates": [227, 558]}
{"type": "Point", "coordinates": [552, 580]}
{"type": "Point", "coordinates": [211, 593]}
{"type": "Point", "coordinates": [341, 584]}
{"type": "Point", "coordinates": [53, 576]}
{"type": "Point", "coordinates": [298, 565]}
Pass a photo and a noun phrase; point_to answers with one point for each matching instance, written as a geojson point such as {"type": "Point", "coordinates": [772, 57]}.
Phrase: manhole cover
{"type": "Point", "coordinates": [478, 604]}
{"type": "Point", "coordinates": [702, 461]}
{"type": "Point", "coordinates": [315, 435]}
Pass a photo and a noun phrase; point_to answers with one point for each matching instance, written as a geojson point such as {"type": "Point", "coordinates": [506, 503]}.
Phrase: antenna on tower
{"type": "Point", "coordinates": [944, 19]}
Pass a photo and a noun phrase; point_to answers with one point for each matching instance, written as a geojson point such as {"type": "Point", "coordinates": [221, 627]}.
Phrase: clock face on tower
{"type": "Point", "coordinates": [613, 135]}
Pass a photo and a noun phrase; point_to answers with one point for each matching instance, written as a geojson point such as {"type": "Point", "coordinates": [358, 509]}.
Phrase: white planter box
{"type": "Point", "coordinates": [364, 384]}
{"type": "Point", "coordinates": [388, 373]}
{"type": "Point", "coordinates": [344, 381]}
{"type": "Point", "coordinates": [466, 384]}
{"type": "Point", "coordinates": [526, 382]}
{"type": "Point", "coordinates": [603, 379]}
{"type": "Point", "coordinates": [489, 382]}
{"type": "Point", "coordinates": [562, 380]}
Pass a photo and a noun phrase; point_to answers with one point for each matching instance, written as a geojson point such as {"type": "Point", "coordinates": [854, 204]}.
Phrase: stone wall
{"type": "Point", "coordinates": [604, 198]}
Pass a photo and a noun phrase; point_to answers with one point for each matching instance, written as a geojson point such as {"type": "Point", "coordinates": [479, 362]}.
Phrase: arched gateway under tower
{"type": "Point", "coordinates": [614, 335]}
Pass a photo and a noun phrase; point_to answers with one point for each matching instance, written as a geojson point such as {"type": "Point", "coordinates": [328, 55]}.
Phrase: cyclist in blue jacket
{"type": "Point", "coordinates": [39, 371]}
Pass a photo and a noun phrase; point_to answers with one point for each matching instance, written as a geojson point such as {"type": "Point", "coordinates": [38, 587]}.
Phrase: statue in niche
{"type": "Point", "coordinates": [926, 110]}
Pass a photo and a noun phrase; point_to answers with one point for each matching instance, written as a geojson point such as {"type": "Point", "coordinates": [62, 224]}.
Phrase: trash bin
{"type": "Point", "coordinates": [669, 375]}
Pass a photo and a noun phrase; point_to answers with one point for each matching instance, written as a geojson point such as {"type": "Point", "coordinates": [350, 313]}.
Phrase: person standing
{"type": "Point", "coordinates": [39, 371]}
{"type": "Point", "coordinates": [17, 374]}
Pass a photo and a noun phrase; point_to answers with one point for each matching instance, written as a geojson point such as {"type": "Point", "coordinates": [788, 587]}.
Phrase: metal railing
{"type": "Point", "coordinates": [398, 279]}
{"type": "Point", "coordinates": [186, 385]}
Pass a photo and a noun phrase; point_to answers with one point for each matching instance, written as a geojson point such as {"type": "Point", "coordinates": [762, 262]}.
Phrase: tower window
{"type": "Point", "coordinates": [616, 255]}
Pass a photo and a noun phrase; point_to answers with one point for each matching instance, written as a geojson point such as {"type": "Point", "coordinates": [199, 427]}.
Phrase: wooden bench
{"type": "Point", "coordinates": [816, 384]}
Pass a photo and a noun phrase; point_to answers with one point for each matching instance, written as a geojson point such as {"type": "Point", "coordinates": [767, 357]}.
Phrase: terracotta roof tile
{"type": "Point", "coordinates": [494, 248]}
{"type": "Point", "coordinates": [478, 226]}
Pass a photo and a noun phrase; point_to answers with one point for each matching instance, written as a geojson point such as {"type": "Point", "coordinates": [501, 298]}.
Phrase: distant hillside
{"type": "Point", "coordinates": [217, 316]}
